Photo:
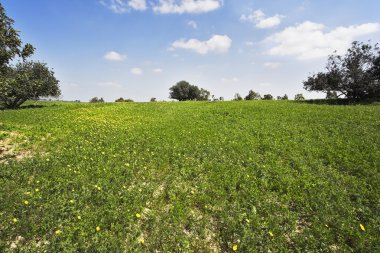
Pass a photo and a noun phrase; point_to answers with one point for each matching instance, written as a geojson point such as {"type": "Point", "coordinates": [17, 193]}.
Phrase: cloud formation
{"type": "Point", "coordinates": [192, 24]}
{"type": "Point", "coordinates": [136, 71]}
{"type": "Point", "coordinates": [123, 6]}
{"type": "Point", "coordinates": [271, 65]}
{"type": "Point", "coordinates": [158, 70]}
{"type": "Point", "coordinates": [309, 40]}
{"type": "Point", "coordinates": [186, 6]}
{"type": "Point", "coordinates": [114, 56]}
{"type": "Point", "coordinates": [259, 19]}
{"type": "Point", "coordinates": [216, 44]}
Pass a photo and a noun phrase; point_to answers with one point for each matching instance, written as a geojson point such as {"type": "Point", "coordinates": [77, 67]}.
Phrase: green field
{"type": "Point", "coordinates": [250, 176]}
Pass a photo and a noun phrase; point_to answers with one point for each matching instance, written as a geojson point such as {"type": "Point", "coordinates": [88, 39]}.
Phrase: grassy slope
{"type": "Point", "coordinates": [262, 175]}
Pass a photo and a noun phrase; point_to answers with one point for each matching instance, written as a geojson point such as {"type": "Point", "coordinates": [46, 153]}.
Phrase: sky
{"type": "Point", "coordinates": [138, 49]}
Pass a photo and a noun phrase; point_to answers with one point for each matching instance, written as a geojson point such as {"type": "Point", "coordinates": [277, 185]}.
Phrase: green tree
{"type": "Point", "coordinates": [27, 80]}
{"type": "Point", "coordinates": [204, 95]}
{"type": "Point", "coordinates": [119, 100]}
{"type": "Point", "coordinates": [354, 75]}
{"type": "Point", "coordinates": [253, 95]}
{"type": "Point", "coordinates": [10, 42]}
{"type": "Point", "coordinates": [331, 95]}
{"type": "Point", "coordinates": [299, 97]}
{"type": "Point", "coordinates": [183, 91]}
{"type": "Point", "coordinates": [267, 97]}
{"type": "Point", "coordinates": [97, 100]}
{"type": "Point", "coordinates": [285, 97]}
{"type": "Point", "coordinates": [237, 97]}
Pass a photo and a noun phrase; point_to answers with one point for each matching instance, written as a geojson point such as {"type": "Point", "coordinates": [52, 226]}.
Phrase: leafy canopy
{"type": "Point", "coordinates": [25, 80]}
{"type": "Point", "coordinates": [356, 75]}
{"type": "Point", "coordinates": [10, 42]}
{"type": "Point", "coordinates": [253, 95]}
{"type": "Point", "coordinates": [183, 91]}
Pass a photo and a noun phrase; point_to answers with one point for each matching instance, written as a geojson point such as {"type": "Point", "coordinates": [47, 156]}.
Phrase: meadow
{"type": "Point", "coordinates": [239, 176]}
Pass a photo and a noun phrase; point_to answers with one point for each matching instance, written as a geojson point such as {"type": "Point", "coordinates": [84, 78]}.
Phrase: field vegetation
{"type": "Point", "coordinates": [245, 176]}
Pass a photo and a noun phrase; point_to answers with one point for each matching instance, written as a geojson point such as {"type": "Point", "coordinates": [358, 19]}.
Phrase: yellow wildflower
{"type": "Point", "coordinates": [37, 190]}
{"type": "Point", "coordinates": [79, 217]}
{"type": "Point", "coordinates": [142, 241]}
{"type": "Point", "coordinates": [270, 233]}
{"type": "Point", "coordinates": [97, 228]}
{"type": "Point", "coordinates": [72, 201]}
{"type": "Point", "coordinates": [26, 202]}
{"type": "Point", "coordinates": [57, 232]}
{"type": "Point", "coordinates": [138, 215]}
{"type": "Point", "coordinates": [235, 247]}
{"type": "Point", "coordinates": [362, 227]}
{"type": "Point", "coordinates": [14, 220]}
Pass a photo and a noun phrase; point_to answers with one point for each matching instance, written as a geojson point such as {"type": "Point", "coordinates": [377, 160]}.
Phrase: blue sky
{"type": "Point", "coordinates": [139, 48]}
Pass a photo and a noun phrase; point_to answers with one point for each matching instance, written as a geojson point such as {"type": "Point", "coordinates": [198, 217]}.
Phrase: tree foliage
{"type": "Point", "coordinates": [183, 91]}
{"type": "Point", "coordinates": [253, 95]}
{"type": "Point", "coordinates": [356, 75]}
{"type": "Point", "coordinates": [237, 97]}
{"type": "Point", "coordinates": [10, 42]}
{"type": "Point", "coordinates": [25, 80]}
{"type": "Point", "coordinates": [120, 100]}
{"type": "Point", "coordinates": [267, 97]}
{"type": "Point", "coordinates": [299, 97]}
{"type": "Point", "coordinates": [98, 100]}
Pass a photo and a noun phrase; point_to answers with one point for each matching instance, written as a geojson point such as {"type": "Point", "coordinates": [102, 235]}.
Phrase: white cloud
{"type": "Point", "coordinates": [217, 44]}
{"type": "Point", "coordinates": [309, 40]}
{"type": "Point", "coordinates": [137, 4]}
{"type": "Point", "coordinates": [271, 65]}
{"type": "Point", "coordinates": [136, 71]}
{"type": "Point", "coordinates": [259, 19]}
{"type": "Point", "coordinates": [114, 56]}
{"type": "Point", "coordinates": [249, 43]}
{"type": "Point", "coordinates": [193, 24]}
{"type": "Point", "coordinates": [230, 80]}
{"type": "Point", "coordinates": [109, 84]}
{"type": "Point", "coordinates": [186, 6]}
{"type": "Point", "coordinates": [122, 6]}
{"type": "Point", "coordinates": [157, 71]}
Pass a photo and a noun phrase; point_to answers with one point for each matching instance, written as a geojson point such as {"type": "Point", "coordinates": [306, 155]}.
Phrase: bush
{"type": "Point", "coordinates": [123, 100]}
{"type": "Point", "coordinates": [96, 100]}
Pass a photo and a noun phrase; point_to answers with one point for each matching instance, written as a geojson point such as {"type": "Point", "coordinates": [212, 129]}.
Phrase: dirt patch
{"type": "Point", "coordinates": [10, 147]}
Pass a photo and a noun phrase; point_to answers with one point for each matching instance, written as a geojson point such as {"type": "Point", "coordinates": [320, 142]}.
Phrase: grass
{"type": "Point", "coordinates": [248, 176]}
